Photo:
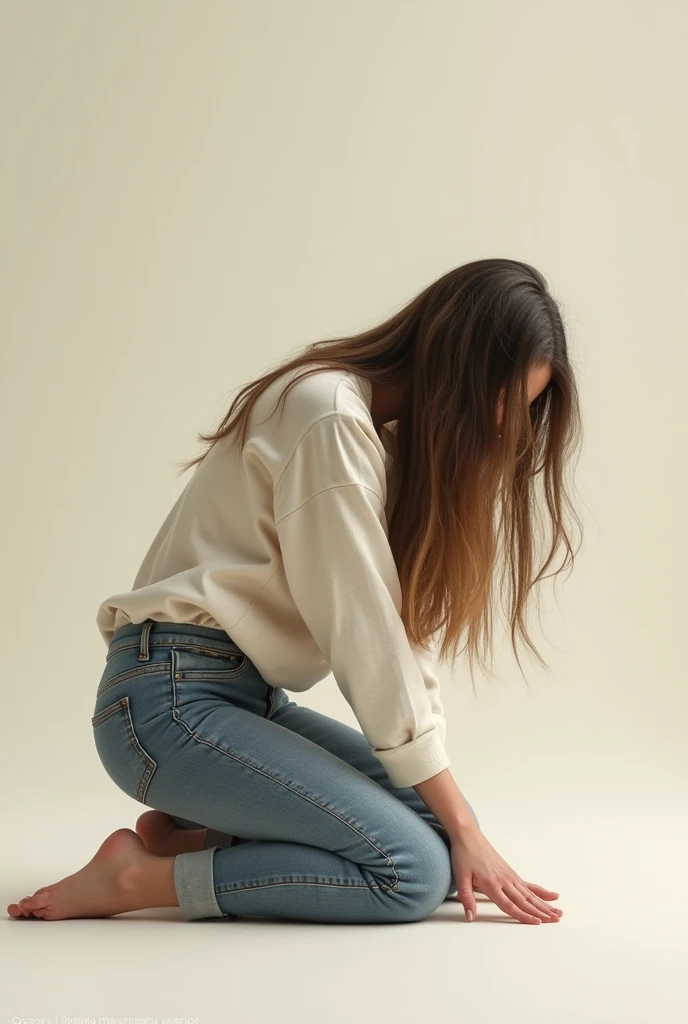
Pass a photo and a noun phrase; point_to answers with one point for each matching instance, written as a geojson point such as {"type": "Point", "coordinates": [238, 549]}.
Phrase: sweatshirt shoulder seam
{"type": "Point", "coordinates": [333, 487]}
{"type": "Point", "coordinates": [309, 427]}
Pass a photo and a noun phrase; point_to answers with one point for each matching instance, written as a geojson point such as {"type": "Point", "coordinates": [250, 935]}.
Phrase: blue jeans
{"type": "Point", "coordinates": [303, 822]}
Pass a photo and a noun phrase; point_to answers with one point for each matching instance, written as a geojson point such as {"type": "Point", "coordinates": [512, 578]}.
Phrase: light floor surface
{"type": "Point", "coordinates": [618, 955]}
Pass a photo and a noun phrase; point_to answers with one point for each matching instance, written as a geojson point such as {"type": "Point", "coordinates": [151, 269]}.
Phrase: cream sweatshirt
{"type": "Point", "coordinates": [284, 546]}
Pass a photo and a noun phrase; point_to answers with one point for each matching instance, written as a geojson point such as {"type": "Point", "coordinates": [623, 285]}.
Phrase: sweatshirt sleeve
{"type": "Point", "coordinates": [432, 685]}
{"type": "Point", "coordinates": [332, 530]}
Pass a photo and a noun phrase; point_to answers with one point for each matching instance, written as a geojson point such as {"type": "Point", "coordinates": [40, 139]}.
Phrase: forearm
{"type": "Point", "coordinates": [443, 797]}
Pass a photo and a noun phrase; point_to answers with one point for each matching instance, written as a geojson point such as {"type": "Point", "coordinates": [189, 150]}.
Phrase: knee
{"type": "Point", "coordinates": [426, 882]}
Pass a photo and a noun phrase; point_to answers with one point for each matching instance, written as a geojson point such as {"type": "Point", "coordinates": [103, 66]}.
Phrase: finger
{"type": "Point", "coordinates": [464, 894]}
{"type": "Point", "coordinates": [545, 894]}
{"type": "Point", "coordinates": [539, 890]}
{"type": "Point", "coordinates": [511, 906]}
{"type": "Point", "coordinates": [522, 900]}
{"type": "Point", "coordinates": [539, 905]}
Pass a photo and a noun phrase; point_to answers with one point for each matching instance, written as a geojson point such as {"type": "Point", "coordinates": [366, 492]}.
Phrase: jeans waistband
{"type": "Point", "coordinates": [151, 633]}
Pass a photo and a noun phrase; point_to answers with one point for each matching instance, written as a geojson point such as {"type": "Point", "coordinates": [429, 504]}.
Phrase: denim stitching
{"type": "Point", "coordinates": [135, 645]}
{"type": "Point", "coordinates": [241, 760]}
{"type": "Point", "coordinates": [133, 673]}
{"type": "Point", "coordinates": [220, 890]}
{"type": "Point", "coordinates": [149, 764]}
{"type": "Point", "coordinates": [212, 673]}
{"type": "Point", "coordinates": [105, 713]}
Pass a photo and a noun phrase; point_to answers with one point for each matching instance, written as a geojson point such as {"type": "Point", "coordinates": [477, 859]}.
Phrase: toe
{"type": "Point", "coordinates": [37, 902]}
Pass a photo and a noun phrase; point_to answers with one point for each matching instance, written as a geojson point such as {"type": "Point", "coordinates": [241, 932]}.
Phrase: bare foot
{"type": "Point", "coordinates": [121, 876]}
{"type": "Point", "coordinates": [163, 838]}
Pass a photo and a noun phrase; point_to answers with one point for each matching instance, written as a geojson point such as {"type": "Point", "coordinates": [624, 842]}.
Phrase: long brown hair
{"type": "Point", "coordinates": [470, 336]}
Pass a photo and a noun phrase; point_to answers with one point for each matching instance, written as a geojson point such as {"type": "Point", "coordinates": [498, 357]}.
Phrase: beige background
{"type": "Point", "coordinates": [192, 191]}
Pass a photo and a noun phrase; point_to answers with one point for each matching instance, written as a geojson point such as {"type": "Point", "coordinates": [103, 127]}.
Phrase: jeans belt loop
{"type": "Point", "coordinates": [144, 650]}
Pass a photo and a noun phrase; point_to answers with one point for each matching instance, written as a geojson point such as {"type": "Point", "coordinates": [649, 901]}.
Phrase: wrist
{"type": "Point", "coordinates": [458, 829]}
{"type": "Point", "coordinates": [444, 798]}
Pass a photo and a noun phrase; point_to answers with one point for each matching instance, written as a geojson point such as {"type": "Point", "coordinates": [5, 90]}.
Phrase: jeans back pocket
{"type": "Point", "coordinates": [129, 766]}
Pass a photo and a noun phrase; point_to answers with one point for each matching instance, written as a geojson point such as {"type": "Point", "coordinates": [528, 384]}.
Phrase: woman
{"type": "Point", "coordinates": [341, 536]}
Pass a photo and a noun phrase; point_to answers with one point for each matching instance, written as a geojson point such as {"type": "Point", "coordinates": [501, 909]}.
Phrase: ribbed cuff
{"type": "Point", "coordinates": [416, 761]}
{"type": "Point", "coordinates": [194, 884]}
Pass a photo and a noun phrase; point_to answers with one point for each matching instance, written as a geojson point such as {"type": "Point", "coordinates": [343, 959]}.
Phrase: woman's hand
{"type": "Point", "coordinates": [477, 865]}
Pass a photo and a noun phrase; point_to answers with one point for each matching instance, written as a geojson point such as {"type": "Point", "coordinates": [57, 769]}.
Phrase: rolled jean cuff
{"type": "Point", "coordinates": [194, 884]}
